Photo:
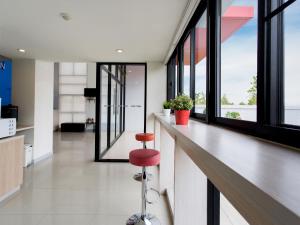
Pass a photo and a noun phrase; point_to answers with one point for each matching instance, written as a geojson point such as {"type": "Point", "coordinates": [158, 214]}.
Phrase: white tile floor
{"type": "Point", "coordinates": [71, 189]}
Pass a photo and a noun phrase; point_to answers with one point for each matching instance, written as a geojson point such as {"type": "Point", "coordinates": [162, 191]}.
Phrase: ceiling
{"type": "Point", "coordinates": [143, 28]}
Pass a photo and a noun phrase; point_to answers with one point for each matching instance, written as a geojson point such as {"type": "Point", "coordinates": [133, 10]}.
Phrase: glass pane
{"type": "Point", "coordinates": [239, 59]}
{"type": "Point", "coordinates": [200, 65]}
{"type": "Point", "coordinates": [118, 108]}
{"type": "Point", "coordinates": [228, 213]}
{"type": "Point", "coordinates": [80, 68]}
{"type": "Point", "coordinates": [186, 66]}
{"type": "Point", "coordinates": [291, 64]}
{"type": "Point", "coordinates": [113, 111]}
{"type": "Point", "coordinates": [103, 126]}
{"type": "Point", "coordinates": [66, 68]}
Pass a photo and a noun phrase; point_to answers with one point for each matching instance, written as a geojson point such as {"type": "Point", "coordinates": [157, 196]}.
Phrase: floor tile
{"type": "Point", "coordinates": [70, 188]}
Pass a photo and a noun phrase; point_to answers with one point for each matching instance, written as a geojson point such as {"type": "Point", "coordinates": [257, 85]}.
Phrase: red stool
{"type": "Point", "coordinates": [144, 158]}
{"type": "Point", "coordinates": [144, 138]}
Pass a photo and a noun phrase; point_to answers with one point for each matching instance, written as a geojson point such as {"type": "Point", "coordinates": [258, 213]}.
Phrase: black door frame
{"type": "Point", "coordinates": [98, 154]}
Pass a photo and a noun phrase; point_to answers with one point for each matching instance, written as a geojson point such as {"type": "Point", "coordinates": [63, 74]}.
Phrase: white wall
{"type": "Point", "coordinates": [91, 82]}
{"type": "Point", "coordinates": [135, 92]}
{"type": "Point", "coordinates": [23, 71]}
{"type": "Point", "coordinates": [156, 91]}
{"type": "Point", "coordinates": [43, 107]}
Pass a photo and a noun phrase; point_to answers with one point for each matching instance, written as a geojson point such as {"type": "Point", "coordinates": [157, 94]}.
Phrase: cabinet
{"type": "Point", "coordinates": [5, 81]}
{"type": "Point", "coordinates": [11, 164]}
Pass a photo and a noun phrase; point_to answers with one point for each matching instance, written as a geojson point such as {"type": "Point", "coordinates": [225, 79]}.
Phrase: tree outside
{"type": "Point", "coordinates": [252, 91]}
{"type": "Point", "coordinates": [200, 98]}
{"type": "Point", "coordinates": [225, 100]}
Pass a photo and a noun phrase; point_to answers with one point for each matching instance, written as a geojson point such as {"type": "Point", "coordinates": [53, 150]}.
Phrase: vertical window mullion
{"type": "Point", "coordinates": [261, 61]}
{"type": "Point", "coordinates": [180, 68]}
{"type": "Point", "coordinates": [192, 67]}
{"type": "Point", "coordinates": [274, 81]}
{"type": "Point", "coordinates": [213, 67]}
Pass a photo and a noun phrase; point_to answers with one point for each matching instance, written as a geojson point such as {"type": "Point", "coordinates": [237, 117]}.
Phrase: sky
{"type": "Point", "coordinates": [239, 58]}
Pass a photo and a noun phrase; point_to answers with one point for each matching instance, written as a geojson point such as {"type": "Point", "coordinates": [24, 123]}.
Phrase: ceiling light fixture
{"type": "Point", "coordinates": [65, 16]}
{"type": "Point", "coordinates": [129, 71]}
{"type": "Point", "coordinates": [119, 50]}
{"type": "Point", "coordinates": [21, 50]}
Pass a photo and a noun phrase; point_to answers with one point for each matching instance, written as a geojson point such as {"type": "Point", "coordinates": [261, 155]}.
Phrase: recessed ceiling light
{"type": "Point", "coordinates": [21, 50]}
{"type": "Point", "coordinates": [129, 71]}
{"type": "Point", "coordinates": [119, 50]}
{"type": "Point", "coordinates": [65, 16]}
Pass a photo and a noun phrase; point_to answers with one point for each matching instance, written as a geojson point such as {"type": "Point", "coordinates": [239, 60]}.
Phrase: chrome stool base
{"type": "Point", "coordinates": [137, 219]}
{"type": "Point", "coordinates": [138, 177]}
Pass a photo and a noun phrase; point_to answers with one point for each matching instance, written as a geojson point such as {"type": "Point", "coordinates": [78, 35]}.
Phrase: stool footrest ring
{"type": "Point", "coordinates": [155, 191]}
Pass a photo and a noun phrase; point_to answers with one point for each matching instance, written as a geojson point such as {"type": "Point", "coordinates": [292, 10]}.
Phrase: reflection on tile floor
{"type": "Point", "coordinates": [71, 189]}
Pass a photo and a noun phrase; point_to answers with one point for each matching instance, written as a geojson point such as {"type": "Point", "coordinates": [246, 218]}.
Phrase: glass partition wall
{"type": "Point", "coordinates": [120, 101]}
{"type": "Point", "coordinates": [110, 107]}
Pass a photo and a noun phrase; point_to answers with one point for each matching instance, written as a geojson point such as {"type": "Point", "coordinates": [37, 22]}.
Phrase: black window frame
{"type": "Point", "coordinates": [269, 77]}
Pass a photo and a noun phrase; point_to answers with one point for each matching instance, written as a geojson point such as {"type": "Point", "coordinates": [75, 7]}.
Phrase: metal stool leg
{"type": "Point", "coordinates": [143, 218]}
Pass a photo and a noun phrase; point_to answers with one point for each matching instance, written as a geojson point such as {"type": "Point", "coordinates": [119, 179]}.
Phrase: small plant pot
{"type": "Point", "coordinates": [166, 112]}
{"type": "Point", "coordinates": [182, 117]}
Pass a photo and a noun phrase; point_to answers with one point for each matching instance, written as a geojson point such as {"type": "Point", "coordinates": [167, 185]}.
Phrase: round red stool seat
{"type": "Point", "coordinates": [144, 157]}
{"type": "Point", "coordinates": [144, 137]}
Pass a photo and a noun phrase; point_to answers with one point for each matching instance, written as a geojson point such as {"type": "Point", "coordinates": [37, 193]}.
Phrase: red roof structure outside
{"type": "Point", "coordinates": [233, 19]}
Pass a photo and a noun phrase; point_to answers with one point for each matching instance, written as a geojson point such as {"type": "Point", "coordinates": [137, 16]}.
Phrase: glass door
{"type": "Point", "coordinates": [109, 107]}
{"type": "Point", "coordinates": [120, 110]}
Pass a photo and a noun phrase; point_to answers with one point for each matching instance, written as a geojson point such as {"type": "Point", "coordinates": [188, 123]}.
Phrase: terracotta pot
{"type": "Point", "coordinates": [182, 117]}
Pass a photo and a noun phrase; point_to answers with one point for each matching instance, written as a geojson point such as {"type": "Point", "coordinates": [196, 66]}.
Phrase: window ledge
{"type": "Point", "coordinates": [261, 179]}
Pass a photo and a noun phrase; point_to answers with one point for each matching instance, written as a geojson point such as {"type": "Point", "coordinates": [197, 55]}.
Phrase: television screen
{"type": "Point", "coordinates": [90, 92]}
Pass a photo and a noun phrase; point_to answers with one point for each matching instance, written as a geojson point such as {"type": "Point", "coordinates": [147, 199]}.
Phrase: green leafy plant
{"type": "Point", "coordinates": [167, 105]}
{"type": "Point", "coordinates": [233, 115]}
{"type": "Point", "coordinates": [182, 102]}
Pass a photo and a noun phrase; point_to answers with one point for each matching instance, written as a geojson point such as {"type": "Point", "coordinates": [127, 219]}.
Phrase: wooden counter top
{"type": "Point", "coordinates": [261, 179]}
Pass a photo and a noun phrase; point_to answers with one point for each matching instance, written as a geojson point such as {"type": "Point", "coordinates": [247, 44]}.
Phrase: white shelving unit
{"type": "Point", "coordinates": [72, 81]}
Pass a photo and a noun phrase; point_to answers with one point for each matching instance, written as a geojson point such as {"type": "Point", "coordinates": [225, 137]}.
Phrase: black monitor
{"type": "Point", "coordinates": [90, 92]}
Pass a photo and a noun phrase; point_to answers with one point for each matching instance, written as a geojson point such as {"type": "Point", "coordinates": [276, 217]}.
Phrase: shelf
{"type": "Point", "coordinates": [72, 75]}
{"type": "Point", "coordinates": [72, 112]}
{"type": "Point", "coordinates": [75, 84]}
{"type": "Point", "coordinates": [24, 127]}
{"type": "Point", "coordinates": [71, 95]}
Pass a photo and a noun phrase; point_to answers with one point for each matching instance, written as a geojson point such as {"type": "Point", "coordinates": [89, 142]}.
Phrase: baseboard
{"type": "Point", "coordinates": [43, 157]}
{"type": "Point", "coordinates": [10, 193]}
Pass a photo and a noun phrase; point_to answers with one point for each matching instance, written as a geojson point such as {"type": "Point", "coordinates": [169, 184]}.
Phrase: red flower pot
{"type": "Point", "coordinates": [182, 117]}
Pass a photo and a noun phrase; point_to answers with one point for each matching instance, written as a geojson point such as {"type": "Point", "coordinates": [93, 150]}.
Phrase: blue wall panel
{"type": "Point", "coordinates": [5, 81]}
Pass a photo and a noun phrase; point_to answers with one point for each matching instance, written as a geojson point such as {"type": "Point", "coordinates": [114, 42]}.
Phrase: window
{"type": "Point", "coordinates": [187, 66]}
{"type": "Point", "coordinates": [238, 60]}
{"type": "Point", "coordinates": [291, 20]}
{"type": "Point", "coordinates": [200, 65]}
{"type": "Point", "coordinates": [248, 78]}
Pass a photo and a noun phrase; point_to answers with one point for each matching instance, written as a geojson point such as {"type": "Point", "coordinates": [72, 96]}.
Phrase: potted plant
{"type": "Point", "coordinates": [167, 108]}
{"type": "Point", "coordinates": [182, 106]}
